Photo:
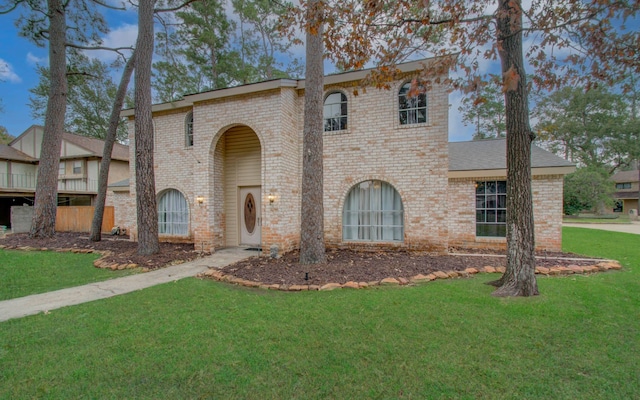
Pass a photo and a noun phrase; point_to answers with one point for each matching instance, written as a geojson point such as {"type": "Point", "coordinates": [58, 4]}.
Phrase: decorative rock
{"type": "Point", "coordinates": [431, 277]}
{"type": "Point", "coordinates": [576, 269]}
{"type": "Point", "coordinates": [616, 266]}
{"type": "Point", "coordinates": [121, 267]}
{"type": "Point", "coordinates": [296, 288]}
{"type": "Point", "coordinates": [363, 284]}
{"type": "Point", "coordinates": [373, 283]}
{"type": "Point", "coordinates": [330, 286]}
{"type": "Point", "coordinates": [314, 287]}
{"type": "Point", "coordinates": [273, 287]}
{"type": "Point", "coordinates": [463, 274]}
{"type": "Point", "coordinates": [489, 269]}
{"type": "Point", "coordinates": [263, 286]}
{"type": "Point", "coordinates": [389, 282]}
{"type": "Point", "coordinates": [471, 271]}
{"type": "Point", "coordinates": [440, 275]}
{"type": "Point", "coordinates": [542, 270]}
{"type": "Point", "coordinates": [421, 278]}
{"type": "Point", "coordinates": [350, 285]}
{"type": "Point", "coordinates": [501, 270]}
{"type": "Point", "coordinates": [554, 271]}
{"type": "Point", "coordinates": [403, 281]}
{"type": "Point", "coordinates": [452, 274]}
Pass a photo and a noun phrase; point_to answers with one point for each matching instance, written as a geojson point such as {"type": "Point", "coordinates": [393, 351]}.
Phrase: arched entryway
{"type": "Point", "coordinates": [237, 186]}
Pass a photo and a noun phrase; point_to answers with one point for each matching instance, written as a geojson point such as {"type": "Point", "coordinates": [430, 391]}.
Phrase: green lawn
{"type": "Point", "coordinates": [29, 272]}
{"type": "Point", "coordinates": [446, 339]}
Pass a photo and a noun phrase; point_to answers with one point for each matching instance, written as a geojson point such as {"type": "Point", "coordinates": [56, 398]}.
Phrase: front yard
{"type": "Point", "coordinates": [445, 339]}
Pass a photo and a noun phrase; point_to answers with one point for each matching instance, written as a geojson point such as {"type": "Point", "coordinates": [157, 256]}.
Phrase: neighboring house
{"type": "Point", "coordinates": [626, 194]}
{"type": "Point", "coordinates": [80, 158]}
{"type": "Point", "coordinates": [228, 169]}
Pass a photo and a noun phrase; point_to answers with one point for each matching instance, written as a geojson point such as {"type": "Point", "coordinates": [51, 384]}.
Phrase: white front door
{"type": "Point", "coordinates": [250, 216]}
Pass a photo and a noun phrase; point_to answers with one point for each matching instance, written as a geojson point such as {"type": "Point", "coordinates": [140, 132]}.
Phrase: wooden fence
{"type": "Point", "coordinates": [79, 218]}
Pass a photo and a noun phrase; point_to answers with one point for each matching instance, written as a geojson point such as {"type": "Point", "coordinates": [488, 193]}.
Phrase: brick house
{"type": "Point", "coordinates": [228, 170]}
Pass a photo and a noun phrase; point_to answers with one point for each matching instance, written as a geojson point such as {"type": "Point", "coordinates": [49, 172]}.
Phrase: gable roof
{"type": "Point", "coordinates": [93, 146]}
{"type": "Point", "coordinates": [626, 176]}
{"type": "Point", "coordinates": [491, 154]}
{"type": "Point", "coordinates": [96, 146]}
{"type": "Point", "coordinates": [9, 153]}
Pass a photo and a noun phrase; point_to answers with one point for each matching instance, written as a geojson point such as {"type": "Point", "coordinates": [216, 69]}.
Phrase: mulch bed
{"type": "Point", "coordinates": [122, 250]}
{"type": "Point", "coordinates": [344, 266]}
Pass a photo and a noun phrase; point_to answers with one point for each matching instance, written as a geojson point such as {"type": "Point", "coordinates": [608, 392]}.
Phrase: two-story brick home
{"type": "Point", "coordinates": [80, 158]}
{"type": "Point", "coordinates": [228, 170]}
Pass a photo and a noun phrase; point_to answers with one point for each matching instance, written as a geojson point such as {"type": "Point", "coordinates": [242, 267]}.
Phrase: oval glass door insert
{"type": "Point", "coordinates": [249, 213]}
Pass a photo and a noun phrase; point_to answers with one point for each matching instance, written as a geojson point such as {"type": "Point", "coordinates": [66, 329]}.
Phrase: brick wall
{"type": "Point", "coordinates": [547, 213]}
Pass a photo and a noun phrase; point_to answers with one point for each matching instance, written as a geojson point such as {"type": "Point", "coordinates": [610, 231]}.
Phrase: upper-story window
{"type": "Point", "coordinates": [335, 112]}
{"type": "Point", "coordinates": [412, 107]}
{"type": "Point", "coordinates": [62, 167]}
{"type": "Point", "coordinates": [625, 185]}
{"type": "Point", "coordinates": [77, 167]}
{"type": "Point", "coordinates": [188, 130]}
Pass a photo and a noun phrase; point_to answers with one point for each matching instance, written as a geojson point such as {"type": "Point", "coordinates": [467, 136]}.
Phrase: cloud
{"type": "Point", "coordinates": [123, 36]}
{"type": "Point", "coordinates": [33, 59]}
{"type": "Point", "coordinates": [7, 74]}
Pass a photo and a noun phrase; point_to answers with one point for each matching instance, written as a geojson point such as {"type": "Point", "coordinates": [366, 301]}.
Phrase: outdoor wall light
{"type": "Point", "coordinates": [271, 198]}
{"type": "Point", "coordinates": [200, 199]}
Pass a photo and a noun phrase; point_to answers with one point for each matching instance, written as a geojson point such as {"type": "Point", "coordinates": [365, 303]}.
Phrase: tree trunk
{"type": "Point", "coordinates": [519, 278]}
{"type": "Point", "coordinates": [146, 207]}
{"type": "Point", "coordinates": [46, 196]}
{"type": "Point", "coordinates": [109, 140]}
{"type": "Point", "coordinates": [312, 248]}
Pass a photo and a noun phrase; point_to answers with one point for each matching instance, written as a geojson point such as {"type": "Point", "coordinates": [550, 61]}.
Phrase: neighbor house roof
{"type": "Point", "coordinates": [626, 176]}
{"type": "Point", "coordinates": [490, 156]}
{"type": "Point", "coordinates": [9, 153]}
{"type": "Point", "coordinates": [96, 146]}
{"type": "Point", "coordinates": [120, 186]}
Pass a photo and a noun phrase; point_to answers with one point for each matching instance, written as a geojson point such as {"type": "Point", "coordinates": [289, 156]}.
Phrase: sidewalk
{"type": "Point", "coordinates": [633, 227]}
{"type": "Point", "coordinates": [37, 303]}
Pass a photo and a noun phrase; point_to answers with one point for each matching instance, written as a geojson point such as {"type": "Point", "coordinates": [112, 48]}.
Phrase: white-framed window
{"type": "Point", "coordinates": [173, 213]}
{"type": "Point", "coordinates": [373, 212]}
{"type": "Point", "coordinates": [77, 167]}
{"type": "Point", "coordinates": [491, 208]}
{"type": "Point", "coordinates": [62, 168]}
{"type": "Point", "coordinates": [188, 130]}
{"type": "Point", "coordinates": [335, 112]}
{"type": "Point", "coordinates": [412, 108]}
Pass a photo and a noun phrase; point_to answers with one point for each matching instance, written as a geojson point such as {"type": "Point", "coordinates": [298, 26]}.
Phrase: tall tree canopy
{"type": "Point", "coordinates": [571, 40]}
{"type": "Point", "coordinates": [594, 128]}
{"type": "Point", "coordinates": [205, 49]}
{"type": "Point", "coordinates": [91, 94]}
{"type": "Point", "coordinates": [484, 108]}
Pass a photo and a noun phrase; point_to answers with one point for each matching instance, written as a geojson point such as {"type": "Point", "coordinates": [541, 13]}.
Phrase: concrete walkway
{"type": "Point", "coordinates": [633, 227]}
{"type": "Point", "coordinates": [37, 303]}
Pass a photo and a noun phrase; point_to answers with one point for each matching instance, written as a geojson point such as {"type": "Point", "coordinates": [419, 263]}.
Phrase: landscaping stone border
{"type": "Point", "coordinates": [601, 266]}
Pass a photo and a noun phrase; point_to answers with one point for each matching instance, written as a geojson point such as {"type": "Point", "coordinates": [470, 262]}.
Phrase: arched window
{"type": "Point", "coordinates": [412, 108]}
{"type": "Point", "coordinates": [335, 112]}
{"type": "Point", "coordinates": [373, 212]}
{"type": "Point", "coordinates": [188, 130]}
{"type": "Point", "coordinates": [173, 214]}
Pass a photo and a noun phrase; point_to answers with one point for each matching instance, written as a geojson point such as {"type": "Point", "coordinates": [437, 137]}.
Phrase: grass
{"type": "Point", "coordinates": [24, 273]}
{"type": "Point", "coordinates": [446, 339]}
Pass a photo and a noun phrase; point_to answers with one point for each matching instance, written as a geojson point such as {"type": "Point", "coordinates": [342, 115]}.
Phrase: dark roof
{"type": "Point", "coordinates": [626, 176]}
{"type": "Point", "coordinates": [96, 146]}
{"type": "Point", "coordinates": [492, 154]}
{"type": "Point", "coordinates": [120, 184]}
{"type": "Point", "coordinates": [9, 153]}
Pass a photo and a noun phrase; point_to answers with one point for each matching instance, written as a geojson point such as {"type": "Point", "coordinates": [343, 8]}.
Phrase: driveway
{"type": "Point", "coordinates": [633, 227]}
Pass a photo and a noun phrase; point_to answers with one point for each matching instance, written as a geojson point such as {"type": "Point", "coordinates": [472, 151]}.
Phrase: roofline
{"type": "Point", "coordinates": [539, 171]}
{"type": "Point", "coordinates": [190, 100]}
